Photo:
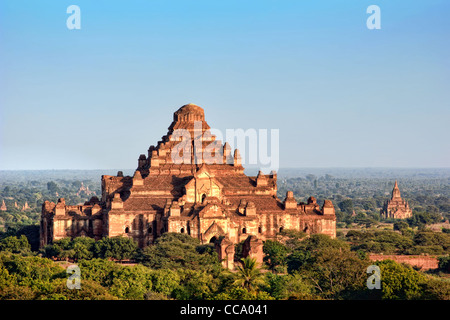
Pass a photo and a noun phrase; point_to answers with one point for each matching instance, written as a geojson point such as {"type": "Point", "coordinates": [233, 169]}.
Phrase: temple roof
{"type": "Point", "coordinates": [187, 110]}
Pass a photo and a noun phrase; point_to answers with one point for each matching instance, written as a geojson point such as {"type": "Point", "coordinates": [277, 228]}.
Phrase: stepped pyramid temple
{"type": "Point", "coordinates": [396, 208]}
{"type": "Point", "coordinates": [206, 195]}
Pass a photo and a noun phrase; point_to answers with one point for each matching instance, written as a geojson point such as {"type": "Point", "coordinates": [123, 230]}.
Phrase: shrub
{"type": "Point", "coordinates": [15, 245]}
{"type": "Point", "coordinates": [444, 263]}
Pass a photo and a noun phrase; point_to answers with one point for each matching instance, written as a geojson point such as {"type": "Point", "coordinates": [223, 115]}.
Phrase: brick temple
{"type": "Point", "coordinates": [396, 207]}
{"type": "Point", "coordinates": [213, 201]}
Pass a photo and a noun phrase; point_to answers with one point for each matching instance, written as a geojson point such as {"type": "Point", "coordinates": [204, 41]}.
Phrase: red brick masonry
{"type": "Point", "coordinates": [423, 262]}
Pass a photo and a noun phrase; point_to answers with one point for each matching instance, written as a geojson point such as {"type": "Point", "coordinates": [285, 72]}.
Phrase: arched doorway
{"type": "Point", "coordinates": [213, 240]}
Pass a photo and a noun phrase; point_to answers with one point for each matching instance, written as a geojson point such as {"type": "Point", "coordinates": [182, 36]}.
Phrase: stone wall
{"type": "Point", "coordinates": [421, 261]}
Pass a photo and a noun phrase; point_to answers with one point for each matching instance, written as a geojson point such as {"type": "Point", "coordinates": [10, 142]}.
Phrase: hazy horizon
{"type": "Point", "coordinates": [382, 173]}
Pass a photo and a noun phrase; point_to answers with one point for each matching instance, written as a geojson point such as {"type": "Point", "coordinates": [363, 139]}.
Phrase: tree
{"type": "Point", "coordinates": [275, 254]}
{"type": "Point", "coordinates": [401, 225]}
{"type": "Point", "coordinates": [422, 218]}
{"type": "Point", "coordinates": [15, 245]}
{"type": "Point", "coordinates": [431, 243]}
{"type": "Point", "coordinates": [52, 187]}
{"type": "Point", "coordinates": [444, 263]}
{"type": "Point", "coordinates": [399, 282]}
{"type": "Point", "coordinates": [292, 238]}
{"type": "Point", "coordinates": [165, 281]}
{"type": "Point", "coordinates": [130, 282]}
{"type": "Point", "coordinates": [239, 293]}
{"type": "Point", "coordinates": [177, 250]}
{"type": "Point", "coordinates": [66, 248]}
{"type": "Point", "coordinates": [118, 248]}
{"type": "Point", "coordinates": [82, 248]}
{"type": "Point", "coordinates": [89, 290]}
{"type": "Point", "coordinates": [346, 206]}
{"type": "Point", "coordinates": [336, 273]}
{"type": "Point", "coordinates": [248, 275]}
{"type": "Point", "coordinates": [31, 275]}
{"type": "Point", "coordinates": [98, 270]}
{"type": "Point", "coordinates": [292, 286]}
{"type": "Point", "coordinates": [435, 288]}
{"type": "Point", "coordinates": [330, 266]}
{"type": "Point", "coordinates": [380, 241]}
{"type": "Point", "coordinates": [195, 285]}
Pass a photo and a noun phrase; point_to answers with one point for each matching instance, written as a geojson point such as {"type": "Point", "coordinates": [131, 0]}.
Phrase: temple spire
{"type": "Point", "coordinates": [396, 191]}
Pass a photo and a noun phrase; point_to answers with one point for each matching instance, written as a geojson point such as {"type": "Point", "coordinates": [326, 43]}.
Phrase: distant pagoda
{"type": "Point", "coordinates": [3, 207]}
{"type": "Point", "coordinates": [396, 208]}
{"type": "Point", "coordinates": [25, 206]}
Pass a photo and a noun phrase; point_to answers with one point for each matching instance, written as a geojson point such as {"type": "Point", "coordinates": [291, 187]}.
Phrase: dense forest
{"type": "Point", "coordinates": [179, 267]}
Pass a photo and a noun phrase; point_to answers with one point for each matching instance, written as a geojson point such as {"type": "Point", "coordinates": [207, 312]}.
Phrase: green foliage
{"type": "Point", "coordinates": [275, 255]}
{"type": "Point", "coordinates": [248, 275]}
{"type": "Point", "coordinates": [31, 232]}
{"type": "Point", "coordinates": [82, 248]}
{"type": "Point", "coordinates": [131, 282]}
{"type": "Point", "coordinates": [444, 263]}
{"type": "Point", "coordinates": [329, 265]}
{"type": "Point", "coordinates": [76, 249]}
{"type": "Point", "coordinates": [176, 250]}
{"type": "Point", "coordinates": [303, 251]}
{"type": "Point", "coordinates": [292, 238]}
{"type": "Point", "coordinates": [435, 289]}
{"type": "Point", "coordinates": [135, 282]}
{"type": "Point", "coordinates": [27, 277]}
{"type": "Point", "coordinates": [346, 206]}
{"type": "Point", "coordinates": [388, 242]}
{"type": "Point", "coordinates": [401, 225]}
{"type": "Point", "coordinates": [52, 187]}
{"type": "Point", "coordinates": [402, 282]}
{"type": "Point", "coordinates": [118, 248]}
{"type": "Point", "coordinates": [98, 270]}
{"type": "Point", "coordinates": [15, 245]}
{"type": "Point", "coordinates": [195, 285]}
{"type": "Point", "coordinates": [292, 287]}
{"type": "Point", "coordinates": [165, 281]}
{"type": "Point", "coordinates": [239, 293]}
{"type": "Point", "coordinates": [399, 282]}
{"type": "Point", "coordinates": [421, 218]}
{"type": "Point", "coordinates": [429, 242]}
{"type": "Point", "coordinates": [90, 290]}
{"type": "Point", "coordinates": [238, 250]}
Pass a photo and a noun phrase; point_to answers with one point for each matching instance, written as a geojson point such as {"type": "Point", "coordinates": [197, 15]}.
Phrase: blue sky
{"type": "Point", "coordinates": [340, 94]}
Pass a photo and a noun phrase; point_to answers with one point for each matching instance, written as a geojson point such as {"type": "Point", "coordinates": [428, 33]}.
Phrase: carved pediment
{"type": "Point", "coordinates": [213, 210]}
{"type": "Point", "coordinates": [214, 230]}
{"type": "Point", "coordinates": [203, 185]}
